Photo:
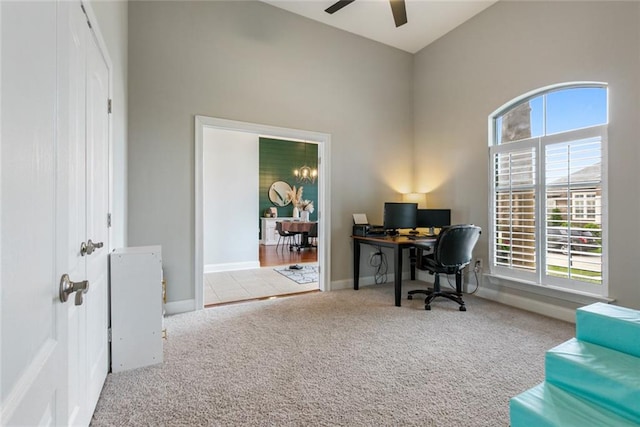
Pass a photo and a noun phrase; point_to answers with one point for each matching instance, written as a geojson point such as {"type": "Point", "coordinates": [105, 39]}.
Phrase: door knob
{"type": "Point", "coordinates": [68, 287]}
{"type": "Point", "coordinates": [89, 247]}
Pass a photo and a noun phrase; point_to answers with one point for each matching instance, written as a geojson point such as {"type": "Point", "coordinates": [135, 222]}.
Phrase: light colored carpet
{"type": "Point", "coordinates": [341, 358]}
{"type": "Point", "coordinates": [307, 274]}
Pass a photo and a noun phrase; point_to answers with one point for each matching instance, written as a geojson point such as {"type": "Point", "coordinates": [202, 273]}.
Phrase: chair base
{"type": "Point", "coordinates": [431, 295]}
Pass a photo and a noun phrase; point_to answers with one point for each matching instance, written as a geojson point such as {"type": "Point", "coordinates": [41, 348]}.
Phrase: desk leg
{"type": "Point", "coordinates": [397, 252]}
{"type": "Point", "coordinates": [412, 258]}
{"type": "Point", "coordinates": [356, 263]}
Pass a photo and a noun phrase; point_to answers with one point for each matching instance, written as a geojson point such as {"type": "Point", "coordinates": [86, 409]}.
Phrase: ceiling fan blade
{"type": "Point", "coordinates": [399, 11]}
{"type": "Point", "coordinates": [337, 6]}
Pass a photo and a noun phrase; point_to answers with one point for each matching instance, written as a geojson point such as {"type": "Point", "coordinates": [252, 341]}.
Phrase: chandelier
{"type": "Point", "coordinates": [305, 173]}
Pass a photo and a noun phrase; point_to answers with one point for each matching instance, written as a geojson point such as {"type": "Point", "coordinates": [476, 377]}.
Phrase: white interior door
{"type": "Point", "coordinates": [54, 166]}
{"type": "Point", "coordinates": [84, 119]}
{"type": "Point", "coordinates": [97, 178]}
{"type": "Point", "coordinates": [73, 39]}
{"type": "Point", "coordinates": [33, 334]}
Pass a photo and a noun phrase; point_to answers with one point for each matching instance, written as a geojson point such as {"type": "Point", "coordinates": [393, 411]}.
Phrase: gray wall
{"type": "Point", "coordinates": [251, 62]}
{"type": "Point", "coordinates": [508, 50]}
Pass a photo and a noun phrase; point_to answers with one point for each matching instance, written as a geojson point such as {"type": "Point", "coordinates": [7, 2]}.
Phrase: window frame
{"type": "Point", "coordinates": [539, 144]}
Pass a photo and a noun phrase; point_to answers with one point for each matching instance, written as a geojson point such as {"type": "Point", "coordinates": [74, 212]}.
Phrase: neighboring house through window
{"type": "Point", "coordinates": [585, 206]}
{"type": "Point", "coordinates": [548, 162]}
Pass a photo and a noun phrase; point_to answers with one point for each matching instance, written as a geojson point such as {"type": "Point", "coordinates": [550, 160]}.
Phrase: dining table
{"type": "Point", "coordinates": [301, 227]}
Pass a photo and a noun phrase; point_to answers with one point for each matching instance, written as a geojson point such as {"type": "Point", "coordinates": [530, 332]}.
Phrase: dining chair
{"type": "Point", "coordinates": [285, 236]}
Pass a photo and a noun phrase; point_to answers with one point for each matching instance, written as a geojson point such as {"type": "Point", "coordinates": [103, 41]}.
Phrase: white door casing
{"type": "Point", "coordinates": [324, 189]}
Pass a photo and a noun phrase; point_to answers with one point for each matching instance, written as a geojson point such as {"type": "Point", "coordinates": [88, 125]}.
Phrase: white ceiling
{"type": "Point", "coordinates": [428, 20]}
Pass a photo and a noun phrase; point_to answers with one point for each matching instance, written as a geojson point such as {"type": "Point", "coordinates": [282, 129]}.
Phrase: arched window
{"type": "Point", "coordinates": [548, 188]}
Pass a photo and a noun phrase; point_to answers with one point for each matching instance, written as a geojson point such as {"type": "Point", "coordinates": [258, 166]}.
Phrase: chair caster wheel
{"type": "Point", "coordinates": [463, 308]}
{"type": "Point", "coordinates": [427, 307]}
{"type": "Point", "coordinates": [409, 296]}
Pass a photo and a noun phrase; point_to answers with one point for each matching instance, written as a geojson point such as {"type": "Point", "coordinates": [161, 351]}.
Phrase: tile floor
{"type": "Point", "coordinates": [231, 286]}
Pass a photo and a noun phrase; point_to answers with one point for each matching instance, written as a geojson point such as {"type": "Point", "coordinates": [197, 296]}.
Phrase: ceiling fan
{"type": "Point", "coordinates": [398, 9]}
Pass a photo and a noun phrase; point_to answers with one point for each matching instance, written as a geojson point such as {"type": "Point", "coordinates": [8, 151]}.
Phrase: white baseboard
{"type": "Point", "coordinates": [340, 284]}
{"type": "Point", "coordinates": [177, 307]}
{"type": "Point", "coordinates": [216, 268]}
{"type": "Point", "coordinates": [370, 280]}
{"type": "Point", "coordinates": [543, 308]}
{"type": "Point", "coordinates": [348, 283]}
{"type": "Point", "coordinates": [528, 304]}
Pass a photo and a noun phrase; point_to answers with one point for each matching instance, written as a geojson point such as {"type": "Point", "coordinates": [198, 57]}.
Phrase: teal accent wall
{"type": "Point", "coordinates": [277, 160]}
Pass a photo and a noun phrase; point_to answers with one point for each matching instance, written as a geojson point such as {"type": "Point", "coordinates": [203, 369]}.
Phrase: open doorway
{"type": "Point", "coordinates": [288, 200]}
{"type": "Point", "coordinates": [237, 212]}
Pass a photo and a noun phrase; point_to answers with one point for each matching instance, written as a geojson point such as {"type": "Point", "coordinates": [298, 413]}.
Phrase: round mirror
{"type": "Point", "coordinates": [279, 193]}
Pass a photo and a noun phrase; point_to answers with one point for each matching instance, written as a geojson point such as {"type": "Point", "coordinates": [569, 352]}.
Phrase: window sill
{"type": "Point", "coordinates": [546, 290]}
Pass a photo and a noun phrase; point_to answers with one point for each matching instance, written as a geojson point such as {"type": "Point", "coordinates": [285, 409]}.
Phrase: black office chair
{"type": "Point", "coordinates": [451, 254]}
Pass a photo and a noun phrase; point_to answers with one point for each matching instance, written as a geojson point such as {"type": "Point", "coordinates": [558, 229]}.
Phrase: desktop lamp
{"type": "Point", "coordinates": [419, 198]}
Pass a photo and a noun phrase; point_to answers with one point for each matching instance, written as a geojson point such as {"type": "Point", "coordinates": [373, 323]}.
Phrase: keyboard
{"type": "Point", "coordinates": [421, 236]}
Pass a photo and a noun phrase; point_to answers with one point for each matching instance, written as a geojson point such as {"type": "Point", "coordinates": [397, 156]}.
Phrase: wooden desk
{"type": "Point", "coordinates": [397, 243]}
{"type": "Point", "coordinates": [302, 227]}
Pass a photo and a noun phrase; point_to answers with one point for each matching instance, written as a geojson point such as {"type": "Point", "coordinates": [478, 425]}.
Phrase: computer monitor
{"type": "Point", "coordinates": [399, 215]}
{"type": "Point", "coordinates": [433, 218]}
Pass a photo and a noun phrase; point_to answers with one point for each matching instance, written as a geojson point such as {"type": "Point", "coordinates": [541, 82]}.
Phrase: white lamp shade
{"type": "Point", "coordinates": [419, 198]}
